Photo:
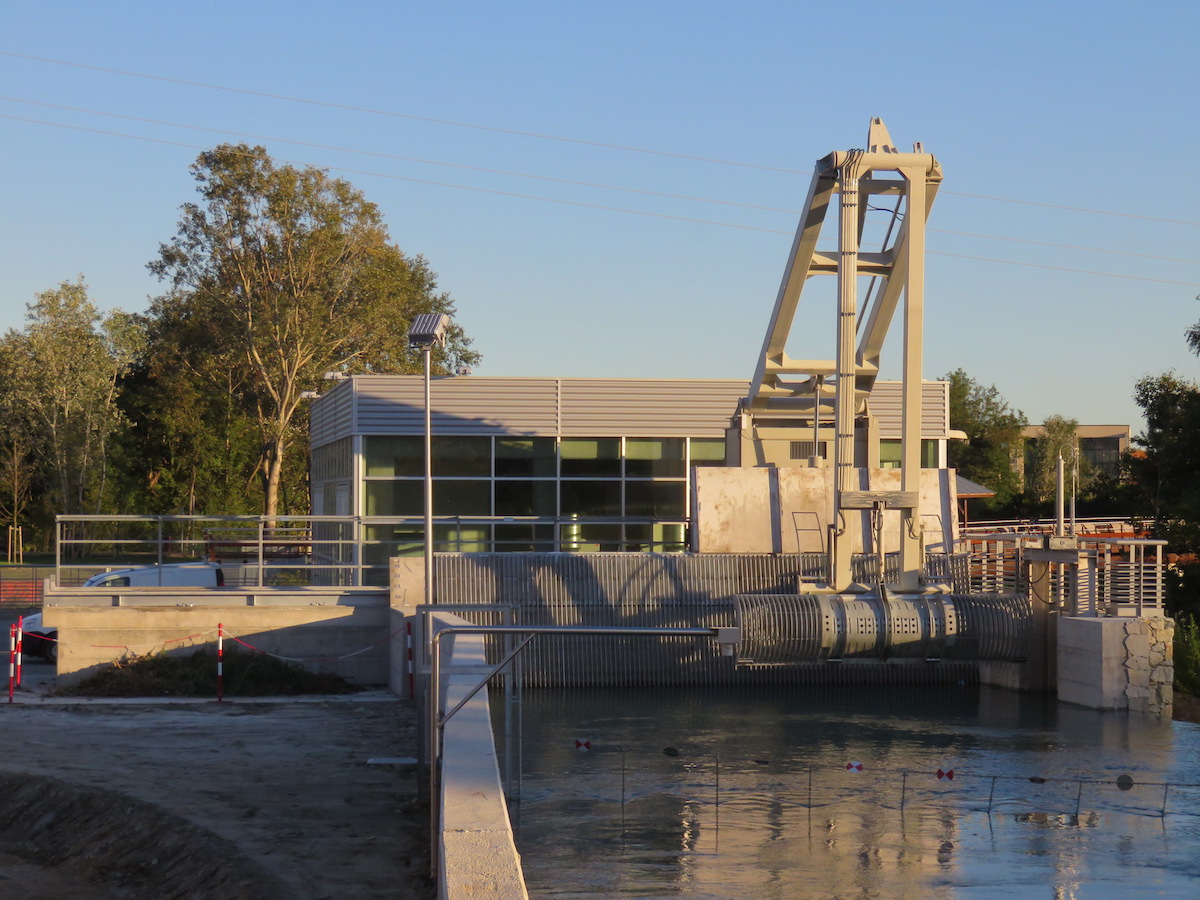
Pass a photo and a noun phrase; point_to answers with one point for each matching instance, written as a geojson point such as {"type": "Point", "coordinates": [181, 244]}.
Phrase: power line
{"type": "Point", "coordinates": [399, 115]}
{"type": "Point", "coordinates": [412, 159]}
{"type": "Point", "coordinates": [553, 137]}
{"type": "Point", "coordinates": [577, 203]}
{"type": "Point", "coordinates": [388, 175]}
{"type": "Point", "coordinates": [556, 180]}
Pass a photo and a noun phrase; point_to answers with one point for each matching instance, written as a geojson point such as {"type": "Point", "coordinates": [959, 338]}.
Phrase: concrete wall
{"type": "Point", "coordinates": [477, 855]}
{"type": "Point", "coordinates": [406, 579]}
{"type": "Point", "coordinates": [343, 630]}
{"type": "Point", "coordinates": [1118, 663]}
{"type": "Point", "coordinates": [788, 510]}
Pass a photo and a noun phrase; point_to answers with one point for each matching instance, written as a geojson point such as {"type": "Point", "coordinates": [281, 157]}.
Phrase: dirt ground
{"type": "Point", "coordinates": [262, 799]}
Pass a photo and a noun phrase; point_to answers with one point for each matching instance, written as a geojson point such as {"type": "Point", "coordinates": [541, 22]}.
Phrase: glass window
{"type": "Point", "coordinates": [526, 498]}
{"type": "Point", "coordinates": [659, 537]}
{"type": "Point", "coordinates": [462, 498]}
{"type": "Point", "coordinates": [889, 454]}
{"type": "Point", "coordinates": [586, 537]}
{"type": "Point", "coordinates": [395, 498]}
{"type": "Point", "coordinates": [708, 451]}
{"type": "Point", "coordinates": [591, 457]}
{"type": "Point", "coordinates": [456, 456]}
{"type": "Point", "coordinates": [383, 541]}
{"type": "Point", "coordinates": [395, 456]}
{"type": "Point", "coordinates": [462, 538]}
{"type": "Point", "coordinates": [520, 538]}
{"type": "Point", "coordinates": [591, 498]}
{"type": "Point", "coordinates": [528, 457]}
{"type": "Point", "coordinates": [658, 499]}
{"type": "Point", "coordinates": [654, 458]}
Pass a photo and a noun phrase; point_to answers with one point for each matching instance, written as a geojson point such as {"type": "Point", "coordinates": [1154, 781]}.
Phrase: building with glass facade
{"type": "Point", "coordinates": [557, 464]}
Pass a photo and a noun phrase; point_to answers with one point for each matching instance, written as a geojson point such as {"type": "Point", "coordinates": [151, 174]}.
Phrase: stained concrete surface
{"type": "Point", "coordinates": [281, 791]}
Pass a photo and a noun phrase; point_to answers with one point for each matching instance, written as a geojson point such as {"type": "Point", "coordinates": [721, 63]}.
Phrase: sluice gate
{"type": "Point", "coordinates": [787, 637]}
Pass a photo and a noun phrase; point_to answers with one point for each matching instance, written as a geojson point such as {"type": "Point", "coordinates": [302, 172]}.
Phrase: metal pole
{"type": "Point", "coordinates": [1074, 486]}
{"type": "Point", "coordinates": [1058, 497]}
{"type": "Point", "coordinates": [427, 350]}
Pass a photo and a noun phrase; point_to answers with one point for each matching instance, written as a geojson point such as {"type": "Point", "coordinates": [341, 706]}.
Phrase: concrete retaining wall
{"type": "Point", "coordinates": [477, 855]}
{"type": "Point", "coordinates": [343, 631]}
{"type": "Point", "coordinates": [789, 510]}
{"type": "Point", "coordinates": [1119, 663]}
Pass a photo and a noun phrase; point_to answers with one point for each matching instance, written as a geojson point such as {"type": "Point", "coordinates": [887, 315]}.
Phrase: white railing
{"type": "Point", "coordinates": [1112, 576]}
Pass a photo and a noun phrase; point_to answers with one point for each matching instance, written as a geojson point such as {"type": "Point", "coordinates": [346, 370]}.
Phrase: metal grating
{"type": "Point", "coordinates": [680, 590]}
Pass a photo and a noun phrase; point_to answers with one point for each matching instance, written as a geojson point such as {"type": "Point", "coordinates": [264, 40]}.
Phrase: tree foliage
{"type": "Point", "coordinates": [993, 432]}
{"type": "Point", "coordinates": [1167, 471]}
{"type": "Point", "coordinates": [62, 376]}
{"type": "Point", "coordinates": [276, 276]}
{"type": "Point", "coordinates": [1057, 439]}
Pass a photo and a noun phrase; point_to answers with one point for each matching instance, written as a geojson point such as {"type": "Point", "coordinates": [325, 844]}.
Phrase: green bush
{"type": "Point", "coordinates": [1187, 656]}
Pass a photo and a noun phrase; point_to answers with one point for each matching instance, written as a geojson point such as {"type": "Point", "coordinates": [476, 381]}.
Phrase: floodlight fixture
{"type": "Point", "coordinates": [309, 395]}
{"type": "Point", "coordinates": [428, 329]}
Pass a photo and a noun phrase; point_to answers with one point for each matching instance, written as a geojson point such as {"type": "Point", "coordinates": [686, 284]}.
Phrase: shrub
{"type": "Point", "coordinates": [246, 674]}
{"type": "Point", "coordinates": [1187, 655]}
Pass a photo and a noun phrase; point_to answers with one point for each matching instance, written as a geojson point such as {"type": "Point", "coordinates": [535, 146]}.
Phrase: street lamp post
{"type": "Point", "coordinates": [426, 330]}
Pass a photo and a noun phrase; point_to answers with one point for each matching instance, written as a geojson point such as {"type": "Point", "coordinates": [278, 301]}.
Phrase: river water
{"type": "Point", "coordinates": [835, 793]}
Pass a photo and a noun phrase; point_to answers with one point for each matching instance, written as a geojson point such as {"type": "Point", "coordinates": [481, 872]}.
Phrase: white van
{"type": "Point", "coordinates": [39, 641]}
{"type": "Point", "coordinates": [189, 574]}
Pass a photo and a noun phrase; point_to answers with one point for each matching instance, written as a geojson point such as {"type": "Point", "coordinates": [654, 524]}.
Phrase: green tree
{"type": "Point", "coordinates": [281, 274]}
{"type": "Point", "coordinates": [1057, 439]}
{"type": "Point", "coordinates": [1167, 471]}
{"type": "Point", "coordinates": [18, 446]}
{"type": "Point", "coordinates": [63, 372]}
{"type": "Point", "coordinates": [993, 432]}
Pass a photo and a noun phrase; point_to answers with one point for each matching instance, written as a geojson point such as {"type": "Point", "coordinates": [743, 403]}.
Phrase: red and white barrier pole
{"type": "Point", "coordinates": [220, 662]}
{"type": "Point", "coordinates": [12, 659]}
{"type": "Point", "coordinates": [20, 643]}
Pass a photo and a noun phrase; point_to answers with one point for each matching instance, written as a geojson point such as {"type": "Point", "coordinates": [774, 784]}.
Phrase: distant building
{"type": "Point", "coordinates": [1101, 445]}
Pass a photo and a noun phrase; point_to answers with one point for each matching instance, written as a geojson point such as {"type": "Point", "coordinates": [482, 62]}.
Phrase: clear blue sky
{"type": "Point", "coordinates": [1085, 109]}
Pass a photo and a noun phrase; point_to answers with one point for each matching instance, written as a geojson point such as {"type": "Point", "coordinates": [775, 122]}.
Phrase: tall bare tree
{"type": "Point", "coordinates": [285, 274]}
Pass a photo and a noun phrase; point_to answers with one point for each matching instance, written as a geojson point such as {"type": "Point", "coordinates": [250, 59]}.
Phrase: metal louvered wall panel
{"type": "Point", "coordinates": [642, 408]}
{"type": "Point", "coordinates": [395, 404]}
{"type": "Point", "coordinates": [699, 591]}
{"type": "Point", "coordinates": [935, 408]}
{"type": "Point", "coordinates": [573, 407]}
{"type": "Point", "coordinates": [332, 415]}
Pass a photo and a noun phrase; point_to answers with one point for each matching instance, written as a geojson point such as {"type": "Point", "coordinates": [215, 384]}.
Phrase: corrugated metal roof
{"type": "Point", "coordinates": [573, 407]}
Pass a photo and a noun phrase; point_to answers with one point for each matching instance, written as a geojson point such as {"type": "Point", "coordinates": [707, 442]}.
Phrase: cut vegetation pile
{"type": "Point", "coordinates": [246, 674]}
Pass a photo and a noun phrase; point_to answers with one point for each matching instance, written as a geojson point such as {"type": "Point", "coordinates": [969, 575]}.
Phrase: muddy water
{"type": "Point", "coordinates": [836, 793]}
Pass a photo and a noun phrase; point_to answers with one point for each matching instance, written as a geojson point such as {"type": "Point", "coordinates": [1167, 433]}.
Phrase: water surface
{"type": "Point", "coordinates": [742, 792]}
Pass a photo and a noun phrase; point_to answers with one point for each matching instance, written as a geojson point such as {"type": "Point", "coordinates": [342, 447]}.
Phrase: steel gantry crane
{"type": "Point", "coordinates": [837, 391]}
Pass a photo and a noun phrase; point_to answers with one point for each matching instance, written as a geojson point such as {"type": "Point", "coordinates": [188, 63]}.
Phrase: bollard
{"type": "Point", "coordinates": [220, 662]}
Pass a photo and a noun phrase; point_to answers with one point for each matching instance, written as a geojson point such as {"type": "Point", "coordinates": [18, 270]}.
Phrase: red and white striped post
{"type": "Point", "coordinates": [220, 662]}
{"type": "Point", "coordinates": [20, 644]}
{"type": "Point", "coordinates": [12, 659]}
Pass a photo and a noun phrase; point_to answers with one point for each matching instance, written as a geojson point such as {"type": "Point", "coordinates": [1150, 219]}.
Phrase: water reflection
{"type": "Point", "coordinates": [746, 793]}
